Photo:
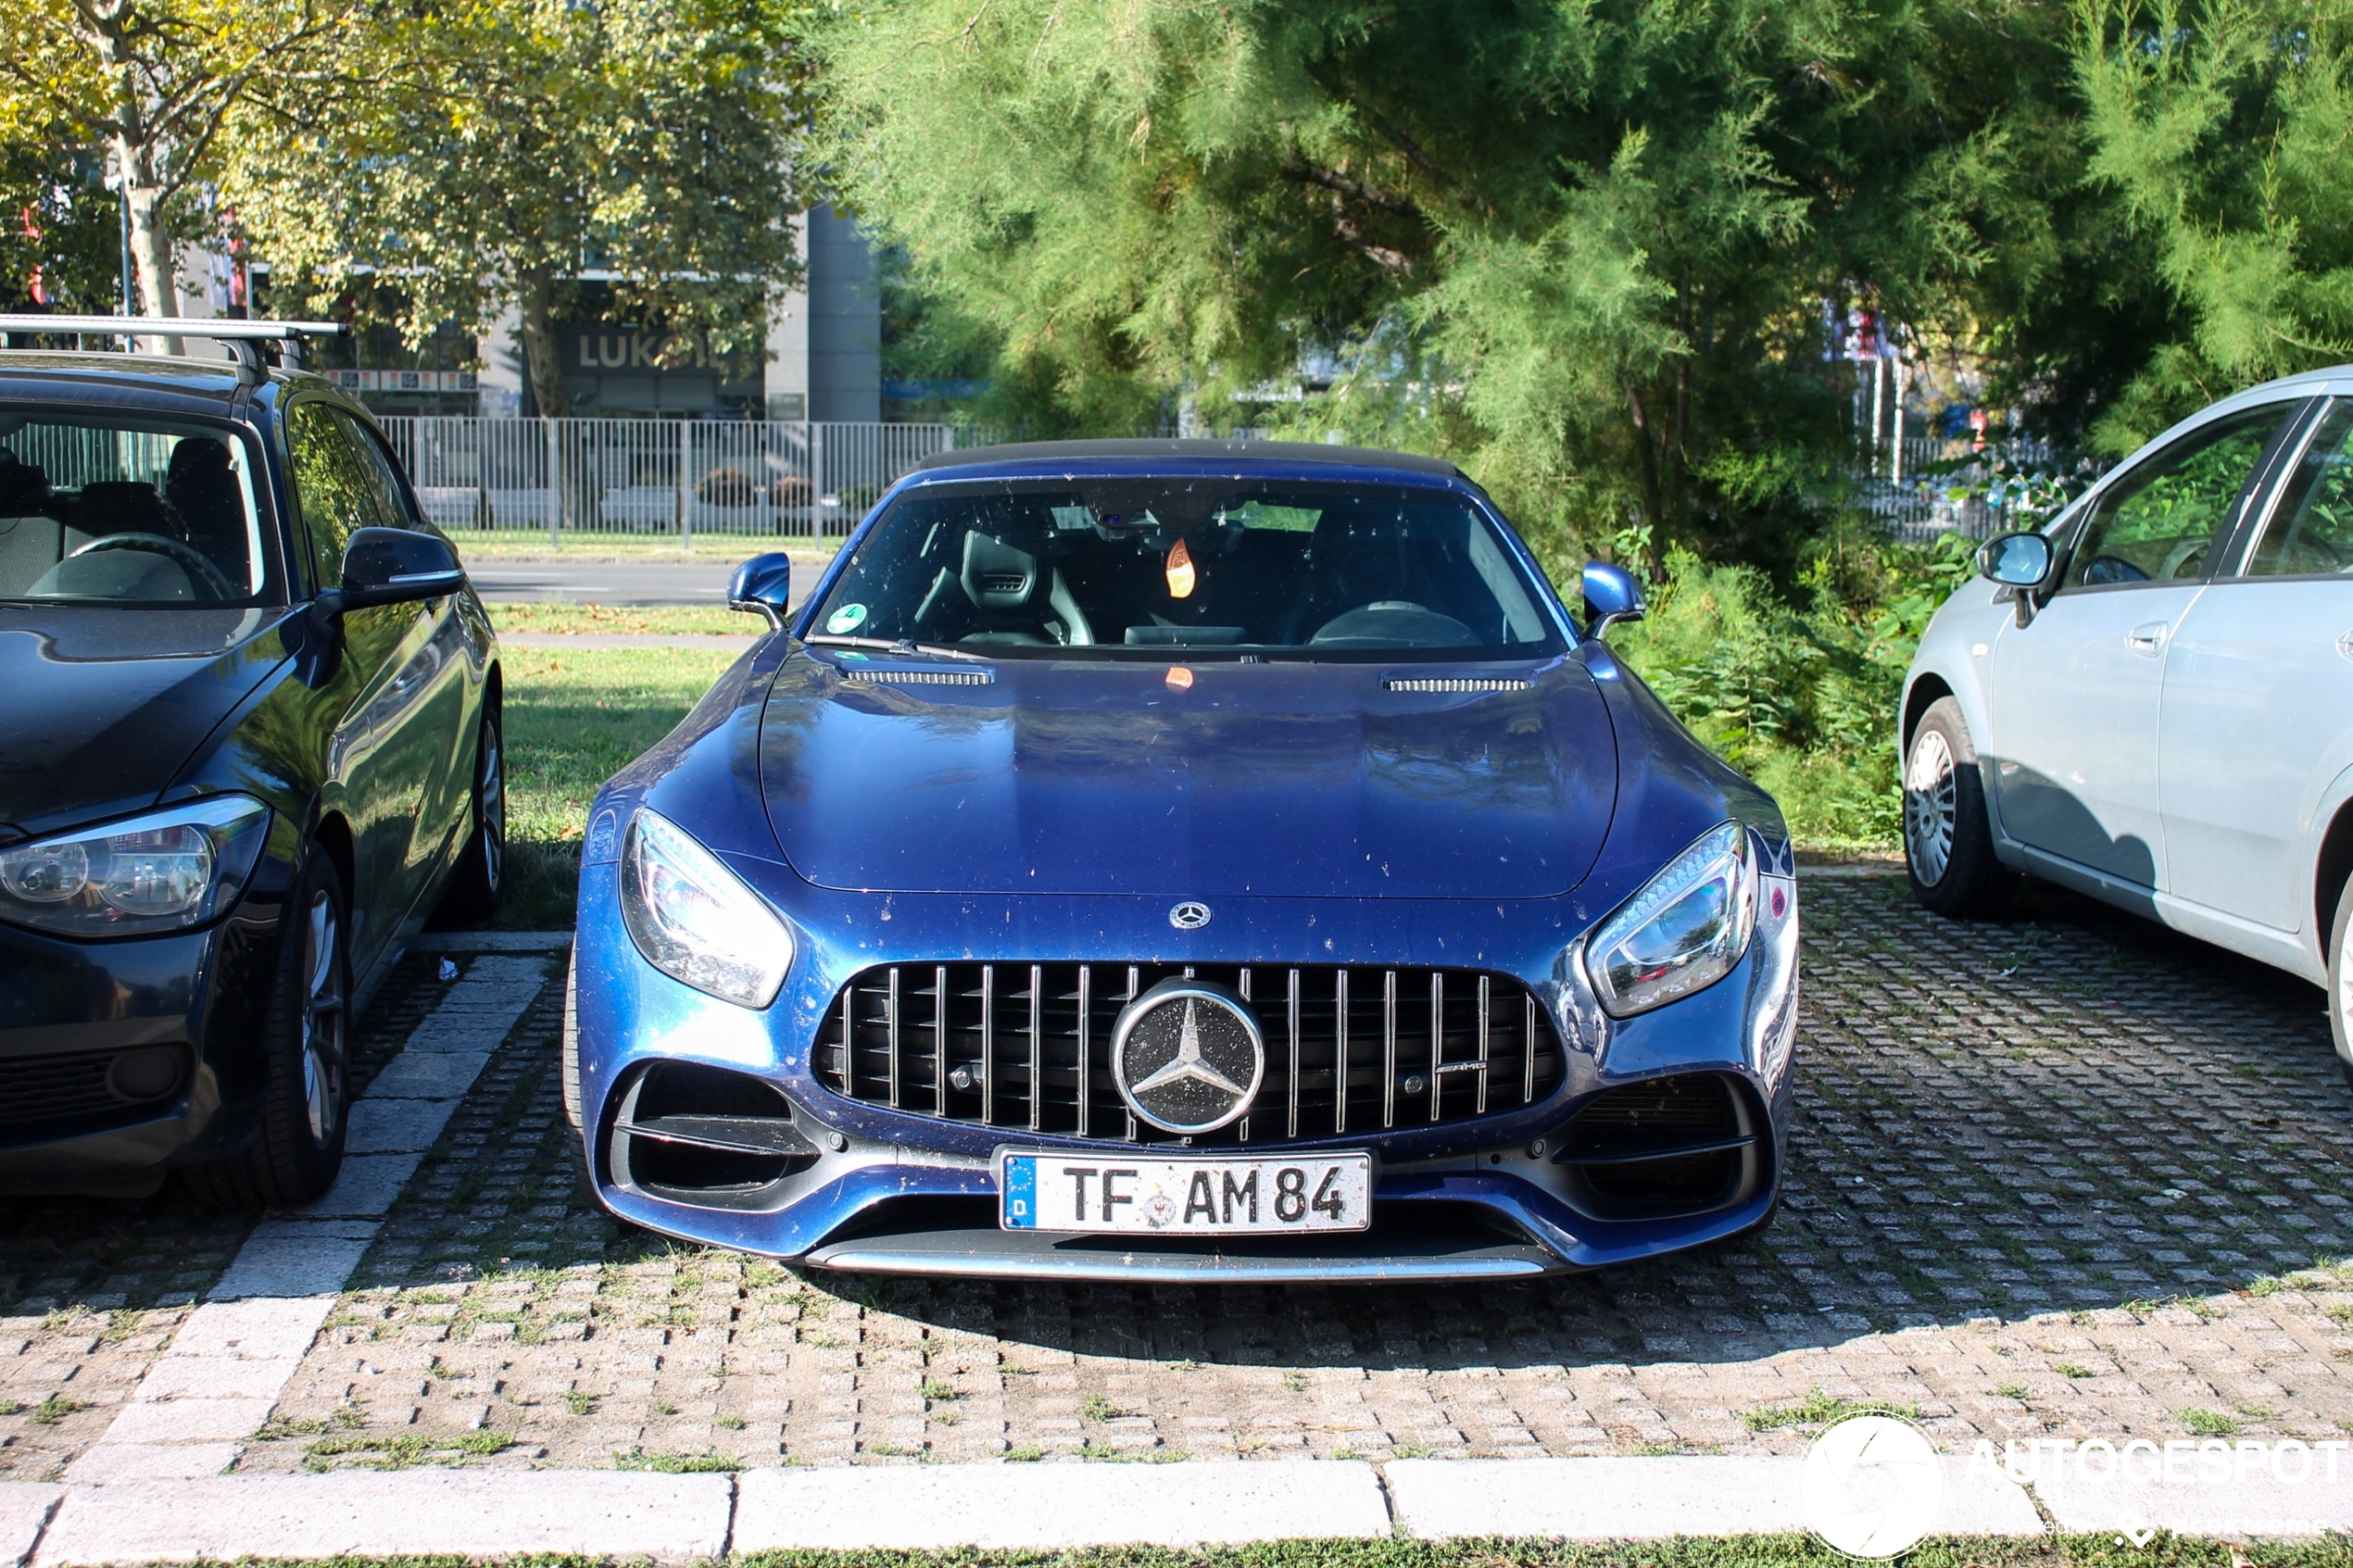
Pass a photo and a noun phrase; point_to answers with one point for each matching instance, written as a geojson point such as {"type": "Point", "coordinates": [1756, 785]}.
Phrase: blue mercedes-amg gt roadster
{"type": "Point", "coordinates": [1184, 860]}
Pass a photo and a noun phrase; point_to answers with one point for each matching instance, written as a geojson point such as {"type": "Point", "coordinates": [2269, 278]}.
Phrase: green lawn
{"type": "Point", "coordinates": [513, 541]}
{"type": "Point", "coordinates": [574, 720]}
{"type": "Point", "coordinates": [663, 620]}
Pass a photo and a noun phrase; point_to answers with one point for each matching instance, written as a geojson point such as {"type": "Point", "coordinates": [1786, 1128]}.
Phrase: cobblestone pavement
{"type": "Point", "coordinates": [2068, 1174]}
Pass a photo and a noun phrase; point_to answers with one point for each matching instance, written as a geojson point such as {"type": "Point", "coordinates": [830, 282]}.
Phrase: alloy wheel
{"type": "Point", "coordinates": [323, 1020]}
{"type": "Point", "coordinates": [1930, 806]}
{"type": "Point", "coordinates": [494, 806]}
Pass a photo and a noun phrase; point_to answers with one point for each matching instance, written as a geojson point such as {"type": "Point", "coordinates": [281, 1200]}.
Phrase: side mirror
{"type": "Point", "coordinates": [386, 566]}
{"type": "Point", "coordinates": [2015, 561]}
{"type": "Point", "coordinates": [763, 587]}
{"type": "Point", "coordinates": [1611, 595]}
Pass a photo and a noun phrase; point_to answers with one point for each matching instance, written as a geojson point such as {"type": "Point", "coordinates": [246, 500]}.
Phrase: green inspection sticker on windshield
{"type": "Point", "coordinates": [846, 619]}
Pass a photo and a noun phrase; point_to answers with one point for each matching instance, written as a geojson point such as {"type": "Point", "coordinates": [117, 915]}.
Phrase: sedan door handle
{"type": "Point", "coordinates": [2146, 638]}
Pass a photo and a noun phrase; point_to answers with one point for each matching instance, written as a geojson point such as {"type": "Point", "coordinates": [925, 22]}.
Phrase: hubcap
{"type": "Point", "coordinates": [322, 1082]}
{"type": "Point", "coordinates": [1929, 807]}
{"type": "Point", "coordinates": [494, 804]}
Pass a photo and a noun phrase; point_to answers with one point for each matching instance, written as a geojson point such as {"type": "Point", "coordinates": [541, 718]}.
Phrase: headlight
{"type": "Point", "coordinates": [166, 871]}
{"type": "Point", "coordinates": [1685, 930]}
{"type": "Point", "coordinates": [696, 920]}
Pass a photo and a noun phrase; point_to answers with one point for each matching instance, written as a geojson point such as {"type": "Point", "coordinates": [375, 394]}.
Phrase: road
{"type": "Point", "coordinates": [540, 580]}
{"type": "Point", "coordinates": [2036, 1165]}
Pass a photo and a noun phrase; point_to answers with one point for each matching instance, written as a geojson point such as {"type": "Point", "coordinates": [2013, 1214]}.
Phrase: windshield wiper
{"type": "Point", "coordinates": [901, 646]}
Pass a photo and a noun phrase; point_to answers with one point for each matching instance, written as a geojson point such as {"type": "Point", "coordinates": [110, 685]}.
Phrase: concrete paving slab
{"type": "Point", "coordinates": [150, 1461]}
{"type": "Point", "coordinates": [189, 1420]}
{"type": "Point", "coordinates": [215, 1378]}
{"type": "Point", "coordinates": [2308, 1494]}
{"type": "Point", "coordinates": [427, 1075]}
{"type": "Point", "coordinates": [1056, 1505]}
{"type": "Point", "coordinates": [387, 1126]}
{"type": "Point", "coordinates": [24, 1509]}
{"type": "Point", "coordinates": [506, 1514]}
{"type": "Point", "coordinates": [366, 1189]}
{"type": "Point", "coordinates": [264, 1328]}
{"type": "Point", "coordinates": [290, 1262]}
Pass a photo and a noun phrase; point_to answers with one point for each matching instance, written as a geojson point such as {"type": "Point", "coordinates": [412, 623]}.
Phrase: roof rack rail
{"type": "Point", "coordinates": [239, 334]}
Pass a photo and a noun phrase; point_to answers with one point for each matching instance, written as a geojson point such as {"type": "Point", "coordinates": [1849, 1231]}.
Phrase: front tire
{"type": "Point", "coordinates": [298, 1151]}
{"type": "Point", "coordinates": [481, 878]}
{"type": "Point", "coordinates": [1948, 839]}
{"type": "Point", "coordinates": [2340, 986]}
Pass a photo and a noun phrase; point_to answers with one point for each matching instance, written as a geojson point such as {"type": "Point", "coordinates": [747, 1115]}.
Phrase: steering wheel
{"type": "Point", "coordinates": [185, 556]}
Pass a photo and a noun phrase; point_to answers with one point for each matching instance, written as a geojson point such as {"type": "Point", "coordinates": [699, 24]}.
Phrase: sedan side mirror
{"type": "Point", "coordinates": [763, 587]}
{"type": "Point", "coordinates": [1611, 595]}
{"type": "Point", "coordinates": [386, 566]}
{"type": "Point", "coordinates": [2015, 561]}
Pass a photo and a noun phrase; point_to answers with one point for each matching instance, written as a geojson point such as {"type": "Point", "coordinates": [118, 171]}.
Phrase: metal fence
{"type": "Point", "coordinates": [1926, 486]}
{"type": "Point", "coordinates": [581, 479]}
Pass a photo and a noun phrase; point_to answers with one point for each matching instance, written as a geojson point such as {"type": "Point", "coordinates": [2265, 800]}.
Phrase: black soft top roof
{"type": "Point", "coordinates": [1253, 451]}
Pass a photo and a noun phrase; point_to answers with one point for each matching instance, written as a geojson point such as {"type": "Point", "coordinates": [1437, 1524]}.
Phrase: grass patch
{"type": "Point", "coordinates": [575, 718]}
{"type": "Point", "coordinates": [1747, 1551]}
{"type": "Point", "coordinates": [668, 1462]}
{"type": "Point", "coordinates": [55, 1408]}
{"type": "Point", "coordinates": [1818, 1409]}
{"type": "Point", "coordinates": [2071, 1369]}
{"type": "Point", "coordinates": [368, 1451]}
{"type": "Point", "coordinates": [669, 620]}
{"type": "Point", "coordinates": [2208, 1423]}
{"type": "Point", "coordinates": [1094, 1407]}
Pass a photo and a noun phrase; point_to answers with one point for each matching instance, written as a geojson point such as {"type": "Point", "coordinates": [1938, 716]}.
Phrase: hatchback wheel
{"type": "Point", "coordinates": [1949, 842]}
{"type": "Point", "coordinates": [2340, 986]}
{"type": "Point", "coordinates": [298, 1150]}
{"type": "Point", "coordinates": [480, 880]}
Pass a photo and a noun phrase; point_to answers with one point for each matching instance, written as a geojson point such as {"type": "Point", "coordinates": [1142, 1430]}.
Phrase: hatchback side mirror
{"type": "Point", "coordinates": [388, 566]}
{"type": "Point", "coordinates": [763, 587]}
{"type": "Point", "coordinates": [1611, 595]}
{"type": "Point", "coordinates": [2015, 561]}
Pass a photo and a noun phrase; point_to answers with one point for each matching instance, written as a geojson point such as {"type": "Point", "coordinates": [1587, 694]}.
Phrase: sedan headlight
{"type": "Point", "coordinates": [1685, 930]}
{"type": "Point", "coordinates": [165, 870]}
{"type": "Point", "coordinates": [696, 920]}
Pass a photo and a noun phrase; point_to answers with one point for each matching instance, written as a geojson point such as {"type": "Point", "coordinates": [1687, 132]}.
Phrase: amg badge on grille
{"type": "Point", "coordinates": [1187, 1056]}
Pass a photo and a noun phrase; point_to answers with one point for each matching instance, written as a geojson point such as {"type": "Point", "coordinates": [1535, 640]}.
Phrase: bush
{"type": "Point", "coordinates": [1799, 689]}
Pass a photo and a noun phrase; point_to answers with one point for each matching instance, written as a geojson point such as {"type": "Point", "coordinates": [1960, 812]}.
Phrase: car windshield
{"type": "Point", "coordinates": [1123, 567]}
{"type": "Point", "coordinates": [116, 509]}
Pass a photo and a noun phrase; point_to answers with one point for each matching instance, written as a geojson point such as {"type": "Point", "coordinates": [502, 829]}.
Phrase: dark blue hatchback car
{"type": "Point", "coordinates": [1185, 860]}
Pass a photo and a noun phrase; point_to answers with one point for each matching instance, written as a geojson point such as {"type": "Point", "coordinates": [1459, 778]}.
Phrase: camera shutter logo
{"type": "Point", "coordinates": [1872, 1487]}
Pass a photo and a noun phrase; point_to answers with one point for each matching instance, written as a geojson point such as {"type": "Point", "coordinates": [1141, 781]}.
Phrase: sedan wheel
{"type": "Point", "coordinates": [481, 878]}
{"type": "Point", "coordinates": [2340, 988]}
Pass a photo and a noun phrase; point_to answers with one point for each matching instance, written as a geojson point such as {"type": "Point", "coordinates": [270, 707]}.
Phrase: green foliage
{"type": "Point", "coordinates": [1581, 246]}
{"type": "Point", "coordinates": [1800, 690]}
{"type": "Point", "coordinates": [2221, 126]}
{"type": "Point", "coordinates": [62, 223]}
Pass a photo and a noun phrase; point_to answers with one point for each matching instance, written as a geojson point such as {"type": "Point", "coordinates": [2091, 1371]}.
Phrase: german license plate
{"type": "Point", "coordinates": [1190, 1196]}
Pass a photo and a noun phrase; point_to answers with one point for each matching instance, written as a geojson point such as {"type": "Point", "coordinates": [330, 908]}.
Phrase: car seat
{"type": "Point", "coordinates": [201, 485]}
{"type": "Point", "coordinates": [1017, 598]}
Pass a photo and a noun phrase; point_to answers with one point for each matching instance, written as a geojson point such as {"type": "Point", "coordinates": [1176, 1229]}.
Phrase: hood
{"type": "Point", "coordinates": [104, 707]}
{"type": "Point", "coordinates": [1274, 780]}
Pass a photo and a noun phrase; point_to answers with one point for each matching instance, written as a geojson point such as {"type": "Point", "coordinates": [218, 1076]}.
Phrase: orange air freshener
{"type": "Point", "coordinates": [1180, 573]}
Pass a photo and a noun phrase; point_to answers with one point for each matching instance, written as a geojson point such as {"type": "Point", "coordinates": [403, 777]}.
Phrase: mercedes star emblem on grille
{"type": "Point", "coordinates": [1188, 916]}
{"type": "Point", "coordinates": [1187, 1056]}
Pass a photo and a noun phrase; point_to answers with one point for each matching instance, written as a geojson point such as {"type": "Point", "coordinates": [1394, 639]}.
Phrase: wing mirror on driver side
{"type": "Point", "coordinates": [1611, 595]}
{"type": "Point", "coordinates": [2015, 561]}
{"type": "Point", "coordinates": [763, 587]}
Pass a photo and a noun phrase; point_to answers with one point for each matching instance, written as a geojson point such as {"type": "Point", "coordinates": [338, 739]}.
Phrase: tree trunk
{"type": "Point", "coordinates": [1652, 510]}
{"type": "Point", "coordinates": [151, 256]}
{"type": "Point", "coordinates": [542, 357]}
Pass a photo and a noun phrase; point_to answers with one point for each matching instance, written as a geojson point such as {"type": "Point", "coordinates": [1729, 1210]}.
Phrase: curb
{"type": "Point", "coordinates": [487, 1513]}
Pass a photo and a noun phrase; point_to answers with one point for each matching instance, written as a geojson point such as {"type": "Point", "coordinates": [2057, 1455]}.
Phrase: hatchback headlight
{"type": "Point", "coordinates": [696, 920]}
{"type": "Point", "coordinates": [165, 870]}
{"type": "Point", "coordinates": [1685, 930]}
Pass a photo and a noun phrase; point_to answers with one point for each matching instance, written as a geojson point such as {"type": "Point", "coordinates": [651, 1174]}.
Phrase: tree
{"type": "Point", "coordinates": [1582, 242]}
{"type": "Point", "coordinates": [2223, 128]}
{"type": "Point", "coordinates": [59, 230]}
{"type": "Point", "coordinates": [513, 145]}
{"type": "Point", "coordinates": [154, 81]}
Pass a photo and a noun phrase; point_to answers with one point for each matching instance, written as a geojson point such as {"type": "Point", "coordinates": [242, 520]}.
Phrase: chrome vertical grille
{"type": "Point", "coordinates": [1350, 1051]}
